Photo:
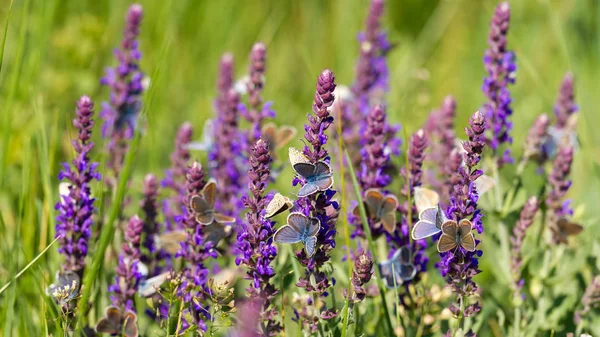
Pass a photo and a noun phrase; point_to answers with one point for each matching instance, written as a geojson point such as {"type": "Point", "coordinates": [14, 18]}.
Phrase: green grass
{"type": "Point", "coordinates": [54, 51]}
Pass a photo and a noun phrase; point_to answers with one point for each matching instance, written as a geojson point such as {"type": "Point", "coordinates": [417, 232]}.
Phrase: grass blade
{"type": "Point", "coordinates": [363, 217]}
{"type": "Point", "coordinates": [5, 33]}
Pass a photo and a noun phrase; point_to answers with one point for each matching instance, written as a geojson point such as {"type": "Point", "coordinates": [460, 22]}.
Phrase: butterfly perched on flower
{"type": "Point", "coordinates": [317, 177]}
{"type": "Point", "coordinates": [66, 287]}
{"type": "Point", "coordinates": [150, 285]}
{"type": "Point", "coordinates": [116, 322]}
{"type": "Point", "coordinates": [299, 228]}
{"type": "Point", "coordinates": [381, 209]}
{"type": "Point", "coordinates": [203, 206]}
{"type": "Point", "coordinates": [278, 205]}
{"type": "Point", "coordinates": [207, 142]}
{"type": "Point", "coordinates": [431, 216]}
{"type": "Point", "coordinates": [456, 235]}
{"type": "Point", "coordinates": [277, 137]}
{"type": "Point", "coordinates": [398, 269]}
{"type": "Point", "coordinates": [558, 137]}
{"type": "Point", "coordinates": [563, 228]}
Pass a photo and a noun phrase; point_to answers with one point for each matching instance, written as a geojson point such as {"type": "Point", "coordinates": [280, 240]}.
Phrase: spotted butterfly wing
{"type": "Point", "coordinates": [465, 231]}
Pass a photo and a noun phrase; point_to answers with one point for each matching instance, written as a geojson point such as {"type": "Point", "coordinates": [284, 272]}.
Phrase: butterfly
{"type": "Point", "coordinates": [277, 137]}
{"type": "Point", "coordinates": [216, 232]}
{"type": "Point", "coordinates": [431, 215]}
{"type": "Point", "coordinates": [381, 209]}
{"type": "Point", "coordinates": [563, 229]}
{"type": "Point", "coordinates": [455, 235]}
{"type": "Point", "coordinates": [119, 323]}
{"type": "Point", "coordinates": [66, 287]}
{"type": "Point", "coordinates": [149, 286]}
{"type": "Point", "coordinates": [317, 177]}
{"type": "Point", "coordinates": [204, 206]}
{"type": "Point", "coordinates": [207, 138]}
{"type": "Point", "coordinates": [170, 242]}
{"type": "Point", "coordinates": [278, 205]}
{"type": "Point", "coordinates": [297, 156]}
{"type": "Point", "coordinates": [299, 228]}
{"type": "Point", "coordinates": [399, 268]}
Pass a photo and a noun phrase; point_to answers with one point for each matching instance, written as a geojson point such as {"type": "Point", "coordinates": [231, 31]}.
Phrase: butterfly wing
{"type": "Point", "coordinates": [277, 205]}
{"type": "Point", "coordinates": [305, 170]}
{"type": "Point", "coordinates": [209, 192]}
{"type": "Point", "coordinates": [425, 198]}
{"type": "Point", "coordinates": [149, 286]}
{"type": "Point", "coordinates": [307, 189]}
{"type": "Point", "coordinates": [313, 226]}
{"type": "Point", "coordinates": [170, 242]}
{"type": "Point", "coordinates": [322, 176]}
{"type": "Point", "coordinates": [287, 234]}
{"type": "Point", "coordinates": [297, 156]}
{"type": "Point", "coordinates": [373, 201]}
{"type": "Point", "coordinates": [111, 322]}
{"type": "Point", "coordinates": [269, 134]}
{"type": "Point", "coordinates": [407, 272]}
{"type": "Point", "coordinates": [310, 245]}
{"type": "Point", "coordinates": [205, 219]}
{"type": "Point", "coordinates": [130, 325]}
{"type": "Point", "coordinates": [284, 135]}
{"type": "Point", "coordinates": [298, 221]}
{"type": "Point", "coordinates": [465, 230]}
{"type": "Point", "coordinates": [388, 220]}
{"type": "Point", "coordinates": [198, 204]}
{"type": "Point", "coordinates": [388, 274]}
{"type": "Point", "coordinates": [429, 214]}
{"type": "Point", "coordinates": [440, 217]}
{"type": "Point", "coordinates": [222, 218]}
{"type": "Point", "coordinates": [215, 232]}
{"type": "Point", "coordinates": [424, 229]}
{"type": "Point", "coordinates": [484, 183]}
{"type": "Point", "coordinates": [448, 239]}
{"type": "Point", "coordinates": [404, 255]}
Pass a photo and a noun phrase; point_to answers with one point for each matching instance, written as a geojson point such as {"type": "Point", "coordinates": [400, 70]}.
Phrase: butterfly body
{"type": "Point", "coordinates": [456, 235]}
{"type": "Point", "coordinates": [299, 228]}
{"type": "Point", "coordinates": [317, 177]}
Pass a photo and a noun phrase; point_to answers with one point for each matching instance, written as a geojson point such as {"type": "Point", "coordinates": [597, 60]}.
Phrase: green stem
{"type": "Point", "coordinates": [363, 216]}
{"type": "Point", "coordinates": [517, 322]}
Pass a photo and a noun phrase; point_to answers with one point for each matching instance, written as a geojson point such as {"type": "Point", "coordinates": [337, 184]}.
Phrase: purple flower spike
{"type": "Point", "coordinates": [460, 266]}
{"type": "Point", "coordinates": [128, 272]}
{"type": "Point", "coordinates": [535, 139]}
{"type": "Point", "coordinates": [150, 207]}
{"type": "Point", "coordinates": [501, 68]}
{"type": "Point", "coordinates": [319, 205]}
{"type": "Point", "coordinates": [75, 208]}
{"type": "Point", "coordinates": [125, 82]}
{"type": "Point", "coordinates": [361, 275]}
{"type": "Point", "coordinates": [255, 240]}
{"type": "Point", "coordinates": [258, 111]}
{"type": "Point", "coordinates": [175, 176]}
{"type": "Point", "coordinates": [525, 221]}
{"type": "Point", "coordinates": [565, 102]}
{"type": "Point", "coordinates": [440, 128]}
{"type": "Point", "coordinates": [560, 183]}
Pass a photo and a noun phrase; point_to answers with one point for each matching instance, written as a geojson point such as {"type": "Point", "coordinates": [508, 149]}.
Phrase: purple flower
{"type": "Point", "coordinates": [440, 128]}
{"type": "Point", "coordinates": [500, 66]}
{"type": "Point", "coordinates": [175, 176]}
{"type": "Point", "coordinates": [525, 221]}
{"type": "Point", "coordinates": [559, 180]}
{"type": "Point", "coordinates": [361, 275]}
{"type": "Point", "coordinates": [535, 139]}
{"type": "Point", "coordinates": [128, 273]}
{"type": "Point", "coordinates": [125, 82]}
{"type": "Point", "coordinates": [255, 240]}
{"type": "Point", "coordinates": [319, 205]}
{"type": "Point", "coordinates": [257, 110]}
{"type": "Point", "coordinates": [460, 266]}
{"type": "Point", "coordinates": [75, 209]}
{"type": "Point", "coordinates": [590, 299]}
{"type": "Point", "coordinates": [149, 205]}
{"type": "Point", "coordinates": [226, 156]}
{"type": "Point", "coordinates": [195, 251]}
{"type": "Point", "coordinates": [565, 102]}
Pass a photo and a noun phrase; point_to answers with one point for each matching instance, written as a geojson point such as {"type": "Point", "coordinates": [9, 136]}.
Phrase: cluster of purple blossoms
{"type": "Point", "coordinates": [375, 164]}
{"type": "Point", "coordinates": [125, 82]}
{"type": "Point", "coordinates": [361, 275]}
{"type": "Point", "coordinates": [227, 152]}
{"type": "Point", "coordinates": [76, 208]}
{"type": "Point", "coordinates": [525, 221]}
{"type": "Point", "coordinates": [150, 207]}
{"type": "Point", "coordinates": [255, 240]}
{"type": "Point", "coordinates": [128, 270]}
{"type": "Point", "coordinates": [175, 175]}
{"type": "Point", "coordinates": [560, 183]}
{"type": "Point", "coordinates": [459, 267]}
{"type": "Point", "coordinates": [319, 205]}
{"type": "Point", "coordinates": [257, 111]}
{"type": "Point", "coordinates": [501, 68]}
{"type": "Point", "coordinates": [565, 102]}
{"type": "Point", "coordinates": [535, 139]}
{"type": "Point", "coordinates": [195, 251]}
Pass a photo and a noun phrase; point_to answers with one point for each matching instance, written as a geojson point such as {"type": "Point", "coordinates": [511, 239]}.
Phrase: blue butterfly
{"type": "Point", "coordinates": [300, 228]}
{"type": "Point", "coordinates": [430, 223]}
{"type": "Point", "coordinates": [317, 177]}
{"type": "Point", "coordinates": [399, 268]}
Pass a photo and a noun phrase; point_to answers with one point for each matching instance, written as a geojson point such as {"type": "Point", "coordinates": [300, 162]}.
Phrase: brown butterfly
{"type": "Point", "coordinates": [116, 322]}
{"type": "Point", "coordinates": [563, 229]}
{"type": "Point", "coordinates": [381, 209]}
{"type": "Point", "coordinates": [204, 206]}
{"type": "Point", "coordinates": [216, 232]}
{"type": "Point", "coordinates": [277, 137]}
{"type": "Point", "coordinates": [278, 205]}
{"type": "Point", "coordinates": [171, 241]}
{"type": "Point", "coordinates": [455, 235]}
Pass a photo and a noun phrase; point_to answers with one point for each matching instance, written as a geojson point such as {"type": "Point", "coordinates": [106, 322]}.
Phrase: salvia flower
{"type": "Point", "coordinates": [460, 266]}
{"type": "Point", "coordinates": [175, 175]}
{"type": "Point", "coordinates": [560, 184]}
{"type": "Point", "coordinates": [361, 275]}
{"type": "Point", "coordinates": [125, 82]}
{"type": "Point", "coordinates": [565, 102]}
{"type": "Point", "coordinates": [318, 204]}
{"type": "Point", "coordinates": [519, 231]}
{"type": "Point", "coordinates": [76, 208]}
{"type": "Point", "coordinates": [257, 111]}
{"type": "Point", "coordinates": [195, 251]}
{"type": "Point", "coordinates": [590, 299]}
{"type": "Point", "coordinates": [128, 271]}
{"type": "Point", "coordinates": [535, 139]}
{"type": "Point", "coordinates": [149, 206]}
{"type": "Point", "coordinates": [226, 154]}
{"type": "Point", "coordinates": [440, 128]}
{"type": "Point", "coordinates": [255, 240]}
{"type": "Point", "coordinates": [501, 67]}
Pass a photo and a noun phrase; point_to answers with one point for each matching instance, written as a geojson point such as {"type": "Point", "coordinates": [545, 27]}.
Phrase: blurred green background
{"type": "Point", "coordinates": [57, 50]}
